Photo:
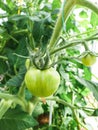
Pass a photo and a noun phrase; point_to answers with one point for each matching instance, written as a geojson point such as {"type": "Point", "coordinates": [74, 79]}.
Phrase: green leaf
{"type": "Point", "coordinates": [22, 51]}
{"type": "Point", "coordinates": [16, 80]}
{"type": "Point", "coordinates": [66, 97]}
{"type": "Point", "coordinates": [16, 119]}
{"type": "Point", "coordinates": [56, 4]}
{"type": "Point", "coordinates": [84, 23]}
{"type": "Point", "coordinates": [10, 3]}
{"type": "Point", "coordinates": [71, 24]}
{"type": "Point", "coordinates": [95, 113]}
{"type": "Point", "coordinates": [3, 66]}
{"type": "Point", "coordinates": [23, 17]}
{"type": "Point", "coordinates": [38, 110]}
{"type": "Point", "coordinates": [89, 84]}
{"type": "Point", "coordinates": [94, 20]}
{"type": "Point", "coordinates": [4, 6]}
{"type": "Point", "coordinates": [52, 127]}
{"type": "Point", "coordinates": [83, 14]}
{"type": "Point", "coordinates": [9, 53]}
{"type": "Point", "coordinates": [63, 74]}
{"type": "Point", "coordinates": [87, 73]}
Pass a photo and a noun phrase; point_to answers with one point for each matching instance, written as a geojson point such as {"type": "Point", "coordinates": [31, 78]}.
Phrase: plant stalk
{"type": "Point", "coordinates": [69, 4]}
{"type": "Point", "coordinates": [89, 4]}
{"type": "Point", "coordinates": [73, 43]}
{"type": "Point", "coordinates": [21, 92]}
{"type": "Point", "coordinates": [70, 44]}
{"type": "Point", "coordinates": [61, 101]}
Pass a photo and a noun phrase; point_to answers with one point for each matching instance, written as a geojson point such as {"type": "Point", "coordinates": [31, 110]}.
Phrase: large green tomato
{"type": "Point", "coordinates": [42, 83]}
{"type": "Point", "coordinates": [88, 60]}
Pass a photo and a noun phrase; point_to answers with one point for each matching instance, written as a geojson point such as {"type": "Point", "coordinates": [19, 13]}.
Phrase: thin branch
{"type": "Point", "coordinates": [74, 43]}
{"type": "Point", "coordinates": [89, 4]}
{"type": "Point", "coordinates": [70, 44]}
{"type": "Point", "coordinates": [67, 9]}
{"type": "Point", "coordinates": [61, 101]}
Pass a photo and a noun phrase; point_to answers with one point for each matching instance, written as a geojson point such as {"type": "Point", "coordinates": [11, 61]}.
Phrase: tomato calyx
{"type": "Point", "coordinates": [41, 60]}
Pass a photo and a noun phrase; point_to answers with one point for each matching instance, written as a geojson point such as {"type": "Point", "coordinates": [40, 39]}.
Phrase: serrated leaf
{"type": "Point", "coordinates": [22, 51]}
{"type": "Point", "coordinates": [89, 84]}
{"type": "Point", "coordinates": [16, 119]}
{"type": "Point", "coordinates": [17, 79]}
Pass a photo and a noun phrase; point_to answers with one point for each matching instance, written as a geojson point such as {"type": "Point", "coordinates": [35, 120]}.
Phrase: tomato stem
{"type": "Point", "coordinates": [88, 4]}
{"type": "Point", "coordinates": [31, 105]}
{"type": "Point", "coordinates": [50, 113]}
{"type": "Point", "coordinates": [86, 46]}
{"type": "Point", "coordinates": [21, 92]}
{"type": "Point", "coordinates": [3, 57]}
{"type": "Point", "coordinates": [79, 124]}
{"type": "Point", "coordinates": [70, 44]}
{"type": "Point", "coordinates": [67, 9]}
{"type": "Point", "coordinates": [61, 101]}
{"type": "Point", "coordinates": [73, 43]}
{"type": "Point", "coordinates": [30, 27]}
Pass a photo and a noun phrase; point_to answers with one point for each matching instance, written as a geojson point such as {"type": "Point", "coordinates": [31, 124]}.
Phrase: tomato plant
{"type": "Point", "coordinates": [42, 83]}
{"type": "Point", "coordinates": [37, 36]}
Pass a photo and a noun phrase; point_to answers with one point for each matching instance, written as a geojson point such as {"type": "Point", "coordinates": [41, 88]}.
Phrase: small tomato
{"type": "Point", "coordinates": [27, 63]}
{"type": "Point", "coordinates": [88, 60]}
{"type": "Point", "coordinates": [42, 83]}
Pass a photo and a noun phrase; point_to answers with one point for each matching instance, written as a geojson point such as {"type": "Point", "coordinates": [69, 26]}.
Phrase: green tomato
{"type": "Point", "coordinates": [88, 60]}
{"type": "Point", "coordinates": [42, 83]}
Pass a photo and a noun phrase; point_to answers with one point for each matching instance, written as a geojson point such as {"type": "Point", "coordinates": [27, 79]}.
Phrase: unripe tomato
{"type": "Point", "coordinates": [89, 59]}
{"type": "Point", "coordinates": [42, 83]}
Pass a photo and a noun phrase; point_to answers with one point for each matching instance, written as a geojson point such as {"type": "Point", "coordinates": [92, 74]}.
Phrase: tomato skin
{"type": "Point", "coordinates": [88, 60]}
{"type": "Point", "coordinates": [42, 83]}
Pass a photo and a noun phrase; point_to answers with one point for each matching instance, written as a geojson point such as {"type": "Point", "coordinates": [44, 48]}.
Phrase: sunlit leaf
{"type": "Point", "coordinates": [89, 84]}
{"type": "Point", "coordinates": [93, 19]}
{"type": "Point", "coordinates": [83, 14]}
